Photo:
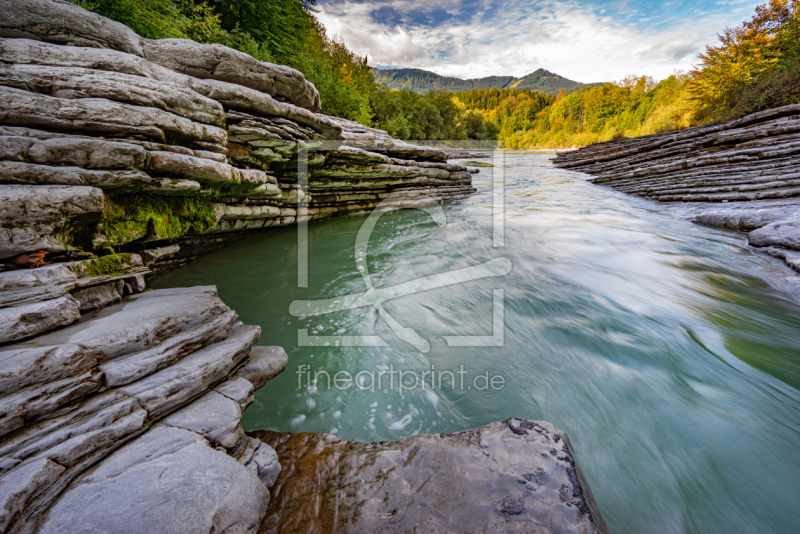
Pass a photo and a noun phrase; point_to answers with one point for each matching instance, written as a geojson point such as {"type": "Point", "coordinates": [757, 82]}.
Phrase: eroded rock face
{"type": "Point", "coordinates": [129, 419]}
{"type": "Point", "coordinates": [743, 175]}
{"type": "Point", "coordinates": [511, 476]}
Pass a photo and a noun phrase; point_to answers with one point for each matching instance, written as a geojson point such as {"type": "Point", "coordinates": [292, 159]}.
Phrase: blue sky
{"type": "Point", "coordinates": [584, 40]}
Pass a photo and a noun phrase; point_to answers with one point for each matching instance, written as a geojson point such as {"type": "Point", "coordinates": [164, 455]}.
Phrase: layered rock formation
{"type": "Point", "coordinates": [743, 175]}
{"type": "Point", "coordinates": [512, 476]}
{"type": "Point", "coordinates": [141, 141]}
{"type": "Point", "coordinates": [128, 419]}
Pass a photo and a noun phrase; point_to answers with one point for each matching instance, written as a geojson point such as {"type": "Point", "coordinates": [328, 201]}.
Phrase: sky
{"type": "Point", "coordinates": [583, 40]}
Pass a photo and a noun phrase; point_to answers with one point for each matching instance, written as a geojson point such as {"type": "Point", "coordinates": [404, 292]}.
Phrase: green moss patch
{"type": "Point", "coordinates": [111, 265]}
{"type": "Point", "coordinates": [150, 216]}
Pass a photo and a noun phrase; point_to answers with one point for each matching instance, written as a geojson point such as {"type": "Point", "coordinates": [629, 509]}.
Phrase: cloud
{"type": "Point", "coordinates": [580, 39]}
{"type": "Point", "coordinates": [380, 44]}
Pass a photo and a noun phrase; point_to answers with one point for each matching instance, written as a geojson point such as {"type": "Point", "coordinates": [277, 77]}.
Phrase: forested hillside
{"type": "Point", "coordinates": [421, 81]}
{"type": "Point", "coordinates": [756, 66]}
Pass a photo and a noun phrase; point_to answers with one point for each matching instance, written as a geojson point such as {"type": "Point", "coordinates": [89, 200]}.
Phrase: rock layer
{"type": "Point", "coordinates": [743, 174]}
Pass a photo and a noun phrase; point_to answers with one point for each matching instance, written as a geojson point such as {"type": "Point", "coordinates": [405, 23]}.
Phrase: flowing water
{"type": "Point", "coordinates": [656, 344]}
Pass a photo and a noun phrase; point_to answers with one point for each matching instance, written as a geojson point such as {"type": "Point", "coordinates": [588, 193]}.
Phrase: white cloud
{"type": "Point", "coordinates": [563, 36]}
{"type": "Point", "coordinates": [383, 45]}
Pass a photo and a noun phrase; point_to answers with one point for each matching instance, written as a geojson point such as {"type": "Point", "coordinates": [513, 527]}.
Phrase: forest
{"type": "Point", "coordinates": [422, 81]}
{"type": "Point", "coordinates": [755, 66]}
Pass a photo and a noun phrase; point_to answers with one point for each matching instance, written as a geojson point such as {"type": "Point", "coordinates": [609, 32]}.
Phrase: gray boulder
{"type": "Point", "coordinates": [264, 364]}
{"type": "Point", "coordinates": [25, 321]}
{"type": "Point", "coordinates": [100, 116]}
{"type": "Point", "coordinates": [784, 234]}
{"type": "Point", "coordinates": [228, 65]}
{"type": "Point", "coordinates": [75, 82]}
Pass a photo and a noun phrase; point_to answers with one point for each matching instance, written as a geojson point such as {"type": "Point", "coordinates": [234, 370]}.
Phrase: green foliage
{"type": "Point", "coordinates": [756, 66]}
{"type": "Point", "coordinates": [409, 115]}
{"type": "Point", "coordinates": [161, 19]}
{"type": "Point", "coordinates": [128, 218]}
{"type": "Point", "coordinates": [634, 106]}
{"type": "Point", "coordinates": [344, 80]}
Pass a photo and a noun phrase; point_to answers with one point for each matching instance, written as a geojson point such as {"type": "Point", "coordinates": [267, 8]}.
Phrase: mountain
{"type": "Point", "coordinates": [420, 81]}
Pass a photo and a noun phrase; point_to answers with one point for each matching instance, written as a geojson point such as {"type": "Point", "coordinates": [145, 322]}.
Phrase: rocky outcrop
{"type": "Point", "coordinates": [743, 175]}
{"type": "Point", "coordinates": [512, 476]}
{"type": "Point", "coordinates": [129, 419]}
{"type": "Point", "coordinates": [157, 141]}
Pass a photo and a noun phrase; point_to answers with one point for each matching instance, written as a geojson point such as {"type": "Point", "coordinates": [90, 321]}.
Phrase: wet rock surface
{"type": "Point", "coordinates": [743, 175]}
{"type": "Point", "coordinates": [511, 476]}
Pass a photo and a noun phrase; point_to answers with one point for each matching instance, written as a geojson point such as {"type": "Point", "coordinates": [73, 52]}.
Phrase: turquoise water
{"type": "Point", "coordinates": [656, 344]}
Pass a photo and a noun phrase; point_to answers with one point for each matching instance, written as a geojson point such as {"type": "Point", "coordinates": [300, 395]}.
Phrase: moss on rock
{"type": "Point", "coordinates": [128, 218]}
{"type": "Point", "coordinates": [111, 265]}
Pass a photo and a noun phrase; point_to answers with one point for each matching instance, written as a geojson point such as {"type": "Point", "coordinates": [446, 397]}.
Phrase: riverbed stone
{"type": "Point", "coordinates": [161, 360]}
{"type": "Point", "coordinates": [214, 416]}
{"type": "Point", "coordinates": [264, 364]}
{"type": "Point", "coordinates": [784, 234]}
{"type": "Point", "coordinates": [511, 476]}
{"type": "Point", "coordinates": [45, 217]}
{"type": "Point", "coordinates": [99, 296]}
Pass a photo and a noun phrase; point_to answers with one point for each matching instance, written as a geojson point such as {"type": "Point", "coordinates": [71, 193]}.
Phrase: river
{"type": "Point", "coordinates": [661, 347]}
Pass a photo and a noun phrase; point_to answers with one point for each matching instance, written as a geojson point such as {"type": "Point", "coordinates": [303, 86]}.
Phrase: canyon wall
{"type": "Point", "coordinates": [743, 175]}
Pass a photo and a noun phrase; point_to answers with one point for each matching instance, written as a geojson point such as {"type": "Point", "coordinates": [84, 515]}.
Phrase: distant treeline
{"type": "Point", "coordinates": [422, 81]}
{"type": "Point", "coordinates": [755, 67]}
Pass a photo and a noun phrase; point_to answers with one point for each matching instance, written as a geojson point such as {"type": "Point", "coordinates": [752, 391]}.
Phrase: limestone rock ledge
{"type": "Point", "coordinates": [128, 418]}
{"type": "Point", "coordinates": [743, 175]}
{"type": "Point", "coordinates": [511, 476]}
{"type": "Point", "coordinates": [109, 139]}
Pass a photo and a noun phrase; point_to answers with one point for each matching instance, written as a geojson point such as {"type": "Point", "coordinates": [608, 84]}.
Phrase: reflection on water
{"type": "Point", "coordinates": [654, 343]}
